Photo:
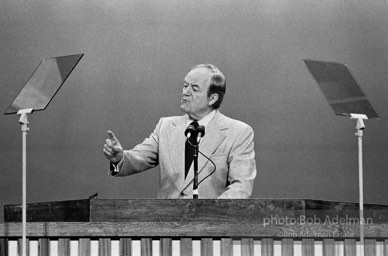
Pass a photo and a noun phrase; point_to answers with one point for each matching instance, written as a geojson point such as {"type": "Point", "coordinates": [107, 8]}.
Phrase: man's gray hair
{"type": "Point", "coordinates": [217, 83]}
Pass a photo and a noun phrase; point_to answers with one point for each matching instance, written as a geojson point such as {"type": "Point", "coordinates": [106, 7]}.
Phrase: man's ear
{"type": "Point", "coordinates": [213, 99]}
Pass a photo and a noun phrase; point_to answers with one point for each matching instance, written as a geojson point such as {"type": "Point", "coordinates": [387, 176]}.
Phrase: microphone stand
{"type": "Point", "coordinates": [195, 182]}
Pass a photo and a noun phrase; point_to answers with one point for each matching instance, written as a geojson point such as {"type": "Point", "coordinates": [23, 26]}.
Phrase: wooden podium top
{"type": "Point", "coordinates": [191, 210]}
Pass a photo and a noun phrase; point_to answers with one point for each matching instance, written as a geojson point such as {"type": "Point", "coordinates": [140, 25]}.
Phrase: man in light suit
{"type": "Point", "coordinates": [227, 142]}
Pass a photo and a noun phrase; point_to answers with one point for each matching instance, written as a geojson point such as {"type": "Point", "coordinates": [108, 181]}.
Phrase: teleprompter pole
{"type": "Point", "coordinates": [360, 126]}
{"type": "Point", "coordinates": [24, 127]}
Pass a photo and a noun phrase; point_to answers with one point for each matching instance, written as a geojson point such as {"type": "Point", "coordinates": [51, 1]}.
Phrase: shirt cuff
{"type": "Point", "coordinates": [113, 169]}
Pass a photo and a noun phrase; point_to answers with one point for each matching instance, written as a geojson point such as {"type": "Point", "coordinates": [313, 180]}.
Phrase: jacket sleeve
{"type": "Point", "coordinates": [142, 157]}
{"type": "Point", "coordinates": [242, 166]}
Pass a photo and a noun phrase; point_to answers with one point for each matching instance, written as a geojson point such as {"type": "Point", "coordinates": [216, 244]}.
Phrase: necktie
{"type": "Point", "coordinates": [189, 150]}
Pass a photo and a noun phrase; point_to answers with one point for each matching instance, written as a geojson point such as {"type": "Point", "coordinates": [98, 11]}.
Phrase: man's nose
{"type": "Point", "coordinates": [186, 91]}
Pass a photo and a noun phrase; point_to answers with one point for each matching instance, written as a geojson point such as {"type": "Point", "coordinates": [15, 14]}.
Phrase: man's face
{"type": "Point", "coordinates": [195, 101]}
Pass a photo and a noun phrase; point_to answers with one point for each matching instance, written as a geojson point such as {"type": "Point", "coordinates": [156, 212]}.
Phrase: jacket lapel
{"type": "Point", "coordinates": [177, 141]}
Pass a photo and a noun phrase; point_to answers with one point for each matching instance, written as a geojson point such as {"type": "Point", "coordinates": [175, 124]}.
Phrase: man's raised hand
{"type": "Point", "coordinates": [112, 148]}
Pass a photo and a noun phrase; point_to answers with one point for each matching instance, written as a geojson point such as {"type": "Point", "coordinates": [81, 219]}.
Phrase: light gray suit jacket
{"type": "Point", "coordinates": [227, 142]}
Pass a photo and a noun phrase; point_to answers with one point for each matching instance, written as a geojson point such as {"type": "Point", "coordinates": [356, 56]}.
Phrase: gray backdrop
{"type": "Point", "coordinates": [136, 56]}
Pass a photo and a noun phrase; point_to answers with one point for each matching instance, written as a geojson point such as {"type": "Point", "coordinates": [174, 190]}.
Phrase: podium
{"type": "Point", "coordinates": [253, 224]}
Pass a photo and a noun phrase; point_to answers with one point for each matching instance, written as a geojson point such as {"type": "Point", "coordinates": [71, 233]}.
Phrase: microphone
{"type": "Point", "coordinates": [200, 133]}
{"type": "Point", "coordinates": [191, 129]}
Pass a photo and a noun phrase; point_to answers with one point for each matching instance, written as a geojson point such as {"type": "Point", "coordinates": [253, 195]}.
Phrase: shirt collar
{"type": "Point", "coordinates": [204, 120]}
